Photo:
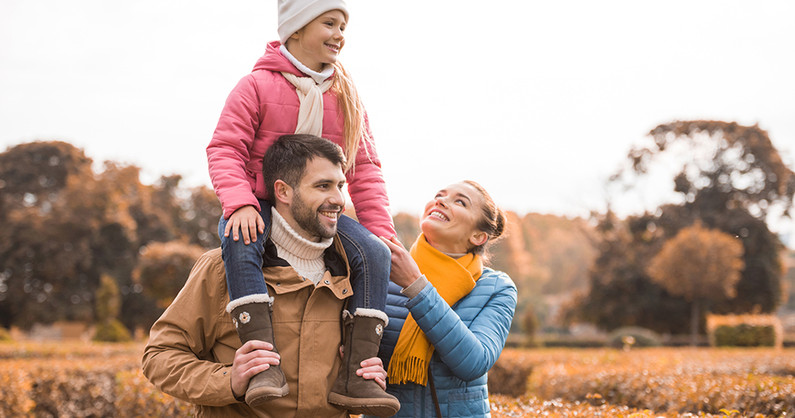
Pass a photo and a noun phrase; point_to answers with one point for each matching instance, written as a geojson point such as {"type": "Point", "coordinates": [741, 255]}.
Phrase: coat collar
{"type": "Point", "coordinates": [283, 278]}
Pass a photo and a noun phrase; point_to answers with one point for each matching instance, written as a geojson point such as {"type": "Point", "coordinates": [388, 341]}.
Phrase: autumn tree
{"type": "Point", "coordinates": [64, 226]}
{"type": "Point", "coordinates": [620, 292]}
{"type": "Point", "coordinates": [790, 279]}
{"type": "Point", "coordinates": [199, 218]}
{"type": "Point", "coordinates": [45, 273]}
{"type": "Point", "coordinates": [731, 178]}
{"type": "Point", "coordinates": [698, 264]}
{"type": "Point", "coordinates": [407, 228]}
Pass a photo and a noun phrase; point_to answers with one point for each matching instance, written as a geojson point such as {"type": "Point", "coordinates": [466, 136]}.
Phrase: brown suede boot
{"type": "Point", "coordinates": [253, 322]}
{"type": "Point", "coordinates": [361, 338]}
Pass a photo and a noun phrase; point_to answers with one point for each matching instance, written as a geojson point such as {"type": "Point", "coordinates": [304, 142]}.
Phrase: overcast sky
{"type": "Point", "coordinates": [537, 100]}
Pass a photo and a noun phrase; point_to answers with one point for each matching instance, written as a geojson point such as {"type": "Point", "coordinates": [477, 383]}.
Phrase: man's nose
{"type": "Point", "coordinates": [337, 198]}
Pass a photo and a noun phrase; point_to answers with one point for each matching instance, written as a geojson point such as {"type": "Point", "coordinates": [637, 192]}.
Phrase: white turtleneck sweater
{"type": "Point", "coordinates": [305, 256]}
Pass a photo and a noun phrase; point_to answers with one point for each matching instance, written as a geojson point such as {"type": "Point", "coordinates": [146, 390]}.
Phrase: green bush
{"type": "Point", "coordinates": [112, 331]}
{"type": "Point", "coordinates": [643, 337]}
{"type": "Point", "coordinates": [745, 335]}
{"type": "Point", "coordinates": [5, 335]}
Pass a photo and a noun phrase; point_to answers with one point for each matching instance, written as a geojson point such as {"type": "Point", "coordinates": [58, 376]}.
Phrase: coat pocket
{"type": "Point", "coordinates": [469, 403]}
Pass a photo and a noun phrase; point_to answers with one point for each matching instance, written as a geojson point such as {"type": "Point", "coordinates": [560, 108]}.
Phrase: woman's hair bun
{"type": "Point", "coordinates": [499, 226]}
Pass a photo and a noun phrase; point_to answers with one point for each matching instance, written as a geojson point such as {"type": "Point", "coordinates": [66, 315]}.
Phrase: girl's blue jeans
{"type": "Point", "coordinates": [368, 257]}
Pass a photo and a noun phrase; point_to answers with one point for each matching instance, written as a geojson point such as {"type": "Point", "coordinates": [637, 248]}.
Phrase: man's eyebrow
{"type": "Point", "coordinates": [327, 181]}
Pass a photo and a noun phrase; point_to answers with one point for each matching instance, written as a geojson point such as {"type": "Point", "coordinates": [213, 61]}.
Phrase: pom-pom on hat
{"type": "Point", "coordinates": [295, 14]}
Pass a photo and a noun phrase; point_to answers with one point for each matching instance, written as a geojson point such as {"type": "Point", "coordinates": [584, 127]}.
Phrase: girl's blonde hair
{"type": "Point", "coordinates": [355, 128]}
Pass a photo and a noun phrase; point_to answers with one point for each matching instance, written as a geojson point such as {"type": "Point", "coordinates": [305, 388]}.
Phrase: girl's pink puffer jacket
{"type": "Point", "coordinates": [264, 106]}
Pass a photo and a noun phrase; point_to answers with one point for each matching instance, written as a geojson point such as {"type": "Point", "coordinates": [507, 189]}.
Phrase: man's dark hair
{"type": "Point", "coordinates": [286, 158]}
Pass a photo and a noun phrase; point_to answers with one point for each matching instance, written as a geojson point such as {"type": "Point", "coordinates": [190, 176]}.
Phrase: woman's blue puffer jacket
{"type": "Point", "coordinates": [468, 338]}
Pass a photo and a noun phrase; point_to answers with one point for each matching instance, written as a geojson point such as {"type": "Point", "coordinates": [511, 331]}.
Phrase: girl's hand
{"type": "Point", "coordinates": [404, 269]}
{"type": "Point", "coordinates": [247, 220]}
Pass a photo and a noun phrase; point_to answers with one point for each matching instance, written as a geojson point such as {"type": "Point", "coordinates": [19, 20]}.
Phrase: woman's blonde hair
{"type": "Point", "coordinates": [355, 127]}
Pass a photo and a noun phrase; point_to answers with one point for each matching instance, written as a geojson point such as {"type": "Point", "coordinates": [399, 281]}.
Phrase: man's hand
{"type": "Point", "coordinates": [247, 220]}
{"type": "Point", "coordinates": [372, 368]}
{"type": "Point", "coordinates": [404, 270]}
{"type": "Point", "coordinates": [253, 357]}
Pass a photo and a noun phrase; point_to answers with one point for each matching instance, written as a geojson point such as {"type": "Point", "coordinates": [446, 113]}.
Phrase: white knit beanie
{"type": "Point", "coordinates": [295, 14]}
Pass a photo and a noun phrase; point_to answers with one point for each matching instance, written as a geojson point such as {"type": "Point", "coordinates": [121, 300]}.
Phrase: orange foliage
{"type": "Point", "coordinates": [699, 263]}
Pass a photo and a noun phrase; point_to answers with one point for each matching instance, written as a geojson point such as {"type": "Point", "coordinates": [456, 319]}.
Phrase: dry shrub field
{"type": "Point", "coordinates": [670, 382]}
{"type": "Point", "coordinates": [82, 379]}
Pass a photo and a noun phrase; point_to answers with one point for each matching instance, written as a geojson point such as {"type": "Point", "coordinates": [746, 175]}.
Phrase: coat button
{"type": "Point", "coordinates": [278, 284]}
{"type": "Point", "coordinates": [344, 291]}
{"type": "Point", "coordinates": [326, 281]}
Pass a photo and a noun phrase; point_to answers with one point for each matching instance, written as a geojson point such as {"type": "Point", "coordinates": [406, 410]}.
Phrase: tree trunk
{"type": "Point", "coordinates": [694, 317]}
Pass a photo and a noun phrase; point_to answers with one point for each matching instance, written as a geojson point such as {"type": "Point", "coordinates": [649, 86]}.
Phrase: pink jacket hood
{"type": "Point", "coordinates": [273, 60]}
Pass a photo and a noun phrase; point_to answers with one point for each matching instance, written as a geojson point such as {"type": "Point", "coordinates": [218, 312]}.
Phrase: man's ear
{"type": "Point", "coordinates": [478, 238]}
{"type": "Point", "coordinates": [283, 192]}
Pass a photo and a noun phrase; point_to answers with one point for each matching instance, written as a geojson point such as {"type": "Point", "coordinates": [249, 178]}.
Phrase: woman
{"type": "Point", "coordinates": [448, 315]}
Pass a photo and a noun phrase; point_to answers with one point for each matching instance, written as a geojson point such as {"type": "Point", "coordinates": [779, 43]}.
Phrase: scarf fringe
{"type": "Point", "coordinates": [412, 369]}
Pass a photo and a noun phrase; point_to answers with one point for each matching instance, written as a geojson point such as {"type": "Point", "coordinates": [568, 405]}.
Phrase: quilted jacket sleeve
{"type": "Point", "coordinates": [175, 358]}
{"type": "Point", "coordinates": [469, 350]}
{"type": "Point", "coordinates": [367, 189]}
{"type": "Point", "coordinates": [229, 149]}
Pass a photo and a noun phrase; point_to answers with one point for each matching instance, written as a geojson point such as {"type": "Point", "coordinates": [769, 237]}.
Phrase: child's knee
{"type": "Point", "coordinates": [377, 248]}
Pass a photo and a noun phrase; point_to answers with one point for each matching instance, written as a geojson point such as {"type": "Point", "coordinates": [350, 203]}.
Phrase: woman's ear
{"type": "Point", "coordinates": [478, 238]}
{"type": "Point", "coordinates": [283, 192]}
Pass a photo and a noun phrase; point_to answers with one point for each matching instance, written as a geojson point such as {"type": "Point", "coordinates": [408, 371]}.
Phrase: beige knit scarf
{"type": "Point", "coordinates": [310, 97]}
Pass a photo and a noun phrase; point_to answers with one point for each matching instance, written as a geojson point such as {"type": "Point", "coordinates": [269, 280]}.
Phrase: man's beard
{"type": "Point", "coordinates": [309, 220]}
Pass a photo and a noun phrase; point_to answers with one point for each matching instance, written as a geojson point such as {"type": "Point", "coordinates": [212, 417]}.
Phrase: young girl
{"type": "Point", "coordinates": [298, 86]}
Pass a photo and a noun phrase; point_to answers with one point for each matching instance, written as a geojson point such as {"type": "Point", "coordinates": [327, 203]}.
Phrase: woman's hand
{"type": "Point", "coordinates": [404, 269]}
{"type": "Point", "coordinates": [251, 358]}
{"type": "Point", "coordinates": [247, 220]}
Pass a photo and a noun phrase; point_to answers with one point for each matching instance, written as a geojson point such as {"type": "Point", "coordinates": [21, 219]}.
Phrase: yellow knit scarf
{"type": "Point", "coordinates": [453, 279]}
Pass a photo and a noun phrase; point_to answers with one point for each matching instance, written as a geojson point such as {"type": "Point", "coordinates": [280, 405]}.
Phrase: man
{"type": "Point", "coordinates": [194, 352]}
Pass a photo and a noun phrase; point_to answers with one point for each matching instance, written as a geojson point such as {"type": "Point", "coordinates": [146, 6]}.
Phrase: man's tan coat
{"type": "Point", "coordinates": [192, 345]}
